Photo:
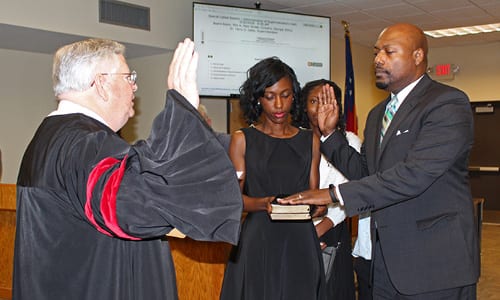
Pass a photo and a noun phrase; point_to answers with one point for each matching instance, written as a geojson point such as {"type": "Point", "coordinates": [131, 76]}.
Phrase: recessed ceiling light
{"type": "Point", "coordinates": [463, 30]}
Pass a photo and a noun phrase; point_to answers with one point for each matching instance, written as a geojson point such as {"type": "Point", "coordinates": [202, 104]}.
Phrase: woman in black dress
{"type": "Point", "coordinates": [274, 259]}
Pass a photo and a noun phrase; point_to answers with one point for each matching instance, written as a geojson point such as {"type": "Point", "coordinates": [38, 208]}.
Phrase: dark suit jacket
{"type": "Point", "coordinates": [416, 186]}
{"type": "Point", "coordinates": [224, 139]}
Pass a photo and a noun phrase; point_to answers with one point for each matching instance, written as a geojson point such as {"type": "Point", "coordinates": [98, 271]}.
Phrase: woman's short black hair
{"type": "Point", "coordinates": [261, 76]}
{"type": "Point", "coordinates": [306, 90]}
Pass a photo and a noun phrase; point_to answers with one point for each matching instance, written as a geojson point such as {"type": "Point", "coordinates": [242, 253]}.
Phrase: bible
{"type": "Point", "coordinates": [289, 212]}
{"type": "Point", "coordinates": [290, 216]}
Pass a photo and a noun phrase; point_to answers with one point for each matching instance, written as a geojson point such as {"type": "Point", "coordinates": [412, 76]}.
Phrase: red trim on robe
{"type": "Point", "coordinates": [108, 199]}
{"type": "Point", "coordinates": [94, 176]}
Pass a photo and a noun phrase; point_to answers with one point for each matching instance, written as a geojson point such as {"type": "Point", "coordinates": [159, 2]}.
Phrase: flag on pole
{"type": "Point", "coordinates": [349, 105]}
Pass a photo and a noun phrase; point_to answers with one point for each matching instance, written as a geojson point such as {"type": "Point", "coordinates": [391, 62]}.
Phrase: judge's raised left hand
{"type": "Point", "coordinates": [311, 197]}
{"type": "Point", "coordinates": [182, 72]}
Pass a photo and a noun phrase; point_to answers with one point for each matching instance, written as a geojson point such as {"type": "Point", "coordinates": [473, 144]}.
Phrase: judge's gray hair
{"type": "Point", "coordinates": [75, 65]}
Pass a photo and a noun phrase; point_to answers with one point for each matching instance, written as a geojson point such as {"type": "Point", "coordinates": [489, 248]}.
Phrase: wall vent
{"type": "Point", "coordinates": [124, 14]}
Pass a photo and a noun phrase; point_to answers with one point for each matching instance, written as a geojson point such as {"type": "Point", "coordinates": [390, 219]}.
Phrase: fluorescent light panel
{"type": "Point", "coordinates": [463, 30]}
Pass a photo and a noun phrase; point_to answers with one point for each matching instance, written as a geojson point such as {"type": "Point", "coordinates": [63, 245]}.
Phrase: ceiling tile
{"type": "Point", "coordinates": [368, 17]}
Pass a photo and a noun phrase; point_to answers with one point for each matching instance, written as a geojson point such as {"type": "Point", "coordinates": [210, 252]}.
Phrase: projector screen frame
{"type": "Point", "coordinates": [315, 65]}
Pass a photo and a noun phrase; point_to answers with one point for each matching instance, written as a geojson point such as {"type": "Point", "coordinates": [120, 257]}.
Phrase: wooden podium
{"type": "Point", "coordinates": [199, 267]}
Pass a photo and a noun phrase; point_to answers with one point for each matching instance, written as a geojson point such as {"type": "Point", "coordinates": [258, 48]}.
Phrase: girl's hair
{"type": "Point", "coordinates": [261, 76]}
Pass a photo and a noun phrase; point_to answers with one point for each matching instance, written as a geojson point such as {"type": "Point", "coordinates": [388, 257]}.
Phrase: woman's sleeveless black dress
{"type": "Point", "coordinates": [275, 259]}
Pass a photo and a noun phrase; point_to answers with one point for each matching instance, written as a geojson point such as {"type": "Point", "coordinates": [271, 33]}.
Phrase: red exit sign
{"type": "Point", "coordinates": [442, 70]}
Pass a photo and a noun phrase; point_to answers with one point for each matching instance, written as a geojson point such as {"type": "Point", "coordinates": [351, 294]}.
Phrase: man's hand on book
{"type": "Point", "coordinates": [314, 197]}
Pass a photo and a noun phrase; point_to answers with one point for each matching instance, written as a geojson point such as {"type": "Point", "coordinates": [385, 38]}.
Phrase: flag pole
{"type": "Point", "coordinates": [349, 105]}
{"type": "Point", "coordinates": [346, 26]}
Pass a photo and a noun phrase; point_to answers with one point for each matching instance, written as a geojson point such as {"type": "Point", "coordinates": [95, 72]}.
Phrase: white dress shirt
{"type": "Point", "coordinates": [66, 107]}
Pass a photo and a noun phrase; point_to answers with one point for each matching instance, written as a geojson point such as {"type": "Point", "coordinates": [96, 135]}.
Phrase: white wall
{"type": "Point", "coordinates": [170, 20]}
{"type": "Point", "coordinates": [217, 111]}
{"type": "Point", "coordinates": [479, 74]}
{"type": "Point", "coordinates": [26, 98]}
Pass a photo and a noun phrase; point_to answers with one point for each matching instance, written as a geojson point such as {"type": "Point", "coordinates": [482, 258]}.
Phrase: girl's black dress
{"type": "Point", "coordinates": [275, 259]}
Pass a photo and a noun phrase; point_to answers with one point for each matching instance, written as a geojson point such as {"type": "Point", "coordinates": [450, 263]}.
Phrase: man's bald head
{"type": "Point", "coordinates": [400, 56]}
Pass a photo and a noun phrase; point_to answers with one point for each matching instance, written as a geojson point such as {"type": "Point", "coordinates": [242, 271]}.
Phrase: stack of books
{"type": "Point", "coordinates": [290, 212]}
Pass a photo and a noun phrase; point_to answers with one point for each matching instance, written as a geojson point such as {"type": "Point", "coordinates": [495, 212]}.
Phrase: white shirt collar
{"type": "Point", "coordinates": [67, 107]}
{"type": "Point", "coordinates": [404, 92]}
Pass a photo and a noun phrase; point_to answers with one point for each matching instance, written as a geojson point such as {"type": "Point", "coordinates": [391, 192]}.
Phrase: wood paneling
{"type": "Point", "coordinates": [7, 196]}
{"type": "Point", "coordinates": [7, 233]}
{"type": "Point", "coordinates": [199, 267]}
{"type": "Point", "coordinates": [236, 119]}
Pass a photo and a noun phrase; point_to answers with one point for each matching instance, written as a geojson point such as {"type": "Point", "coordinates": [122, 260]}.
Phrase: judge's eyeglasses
{"type": "Point", "coordinates": [130, 77]}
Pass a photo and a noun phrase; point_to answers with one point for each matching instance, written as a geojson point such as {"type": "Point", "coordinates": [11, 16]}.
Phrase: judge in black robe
{"type": "Point", "coordinates": [93, 211]}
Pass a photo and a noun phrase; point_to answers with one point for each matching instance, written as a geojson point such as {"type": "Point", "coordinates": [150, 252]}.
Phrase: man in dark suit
{"type": "Point", "coordinates": [414, 176]}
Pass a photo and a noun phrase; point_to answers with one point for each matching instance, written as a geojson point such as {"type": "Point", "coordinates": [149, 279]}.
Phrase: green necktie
{"type": "Point", "coordinates": [390, 111]}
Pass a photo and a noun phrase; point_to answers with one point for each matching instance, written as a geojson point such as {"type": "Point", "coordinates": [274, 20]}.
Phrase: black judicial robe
{"type": "Point", "coordinates": [92, 210]}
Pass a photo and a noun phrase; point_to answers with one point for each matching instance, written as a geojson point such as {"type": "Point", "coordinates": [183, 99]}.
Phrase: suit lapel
{"type": "Point", "coordinates": [403, 111]}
